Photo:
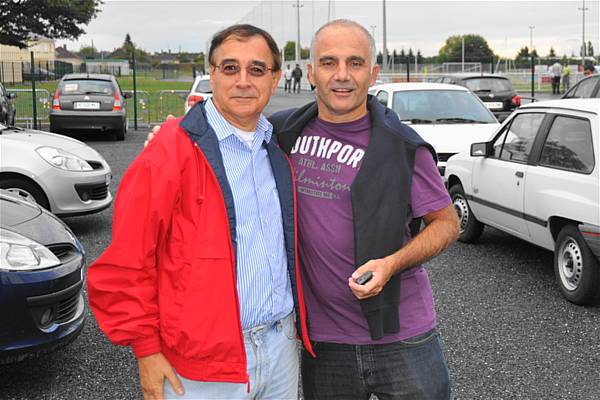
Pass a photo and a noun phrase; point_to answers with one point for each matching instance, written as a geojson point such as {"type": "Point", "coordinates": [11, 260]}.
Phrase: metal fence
{"type": "Point", "coordinates": [170, 102]}
{"type": "Point", "coordinates": [23, 104]}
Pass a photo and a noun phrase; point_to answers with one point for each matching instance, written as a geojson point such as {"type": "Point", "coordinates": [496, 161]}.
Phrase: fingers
{"type": "Point", "coordinates": [170, 116]}
{"type": "Point", "coordinates": [174, 381]}
{"type": "Point", "coordinates": [369, 289]}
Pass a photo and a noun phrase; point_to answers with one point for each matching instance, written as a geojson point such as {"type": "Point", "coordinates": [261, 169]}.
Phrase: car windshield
{"type": "Point", "coordinates": [440, 106]}
{"type": "Point", "coordinates": [87, 86]}
{"type": "Point", "coordinates": [203, 86]}
{"type": "Point", "coordinates": [488, 85]}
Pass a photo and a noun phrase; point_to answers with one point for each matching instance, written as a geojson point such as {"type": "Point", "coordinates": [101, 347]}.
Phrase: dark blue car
{"type": "Point", "coordinates": [41, 280]}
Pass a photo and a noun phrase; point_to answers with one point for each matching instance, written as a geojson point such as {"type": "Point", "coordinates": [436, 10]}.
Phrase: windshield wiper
{"type": "Point", "coordinates": [95, 92]}
{"type": "Point", "coordinates": [482, 90]}
{"type": "Point", "coordinates": [417, 121]}
{"type": "Point", "coordinates": [459, 120]}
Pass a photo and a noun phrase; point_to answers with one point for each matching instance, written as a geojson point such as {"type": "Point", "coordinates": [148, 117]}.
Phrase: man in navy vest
{"type": "Point", "coordinates": [362, 177]}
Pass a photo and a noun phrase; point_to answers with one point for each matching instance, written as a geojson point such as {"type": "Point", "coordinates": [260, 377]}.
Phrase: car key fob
{"type": "Point", "coordinates": [364, 278]}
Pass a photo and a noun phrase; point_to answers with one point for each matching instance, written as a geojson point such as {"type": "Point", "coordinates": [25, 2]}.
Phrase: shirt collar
{"type": "Point", "coordinates": [224, 129]}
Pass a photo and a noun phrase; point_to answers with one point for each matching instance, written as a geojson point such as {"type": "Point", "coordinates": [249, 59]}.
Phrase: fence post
{"type": "Point", "coordinates": [194, 71]}
{"type": "Point", "coordinates": [407, 68]}
{"type": "Point", "coordinates": [135, 125]}
{"type": "Point", "coordinates": [34, 105]}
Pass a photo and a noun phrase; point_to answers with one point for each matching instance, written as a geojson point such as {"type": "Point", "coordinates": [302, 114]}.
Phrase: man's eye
{"type": "Point", "coordinates": [327, 63]}
{"type": "Point", "coordinates": [257, 70]}
{"type": "Point", "coordinates": [356, 64]}
{"type": "Point", "coordinates": [230, 68]}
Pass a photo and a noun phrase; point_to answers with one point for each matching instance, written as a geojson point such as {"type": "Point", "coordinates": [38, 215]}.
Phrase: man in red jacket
{"type": "Point", "coordinates": [201, 277]}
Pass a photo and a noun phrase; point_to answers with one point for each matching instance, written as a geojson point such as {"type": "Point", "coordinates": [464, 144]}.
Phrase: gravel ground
{"type": "Point", "coordinates": [508, 333]}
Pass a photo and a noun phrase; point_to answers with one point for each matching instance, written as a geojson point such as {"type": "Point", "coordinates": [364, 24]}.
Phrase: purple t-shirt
{"type": "Point", "coordinates": [326, 158]}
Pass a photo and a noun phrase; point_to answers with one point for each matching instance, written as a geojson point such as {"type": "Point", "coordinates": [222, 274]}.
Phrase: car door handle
{"type": "Point", "coordinates": [519, 174]}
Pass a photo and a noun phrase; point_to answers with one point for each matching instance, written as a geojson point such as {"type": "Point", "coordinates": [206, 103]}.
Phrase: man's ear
{"type": "Point", "coordinates": [276, 78]}
{"type": "Point", "coordinates": [311, 78]}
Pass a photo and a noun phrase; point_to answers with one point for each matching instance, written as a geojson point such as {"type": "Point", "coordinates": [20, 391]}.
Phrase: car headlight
{"type": "Point", "coordinates": [18, 253]}
{"type": "Point", "coordinates": [64, 160]}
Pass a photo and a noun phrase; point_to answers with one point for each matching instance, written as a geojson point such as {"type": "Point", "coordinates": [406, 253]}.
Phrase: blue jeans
{"type": "Point", "coordinates": [272, 364]}
{"type": "Point", "coordinates": [414, 369]}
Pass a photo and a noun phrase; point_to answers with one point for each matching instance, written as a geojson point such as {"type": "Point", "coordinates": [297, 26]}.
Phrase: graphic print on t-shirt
{"type": "Point", "coordinates": [320, 163]}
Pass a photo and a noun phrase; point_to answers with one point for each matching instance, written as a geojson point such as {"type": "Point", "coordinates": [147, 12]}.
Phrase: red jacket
{"type": "Point", "coordinates": [167, 281]}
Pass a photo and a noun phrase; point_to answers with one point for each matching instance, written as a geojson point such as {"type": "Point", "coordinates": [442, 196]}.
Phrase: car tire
{"type": "Point", "coordinates": [12, 119]}
{"type": "Point", "coordinates": [120, 133]}
{"type": "Point", "coordinates": [26, 190]}
{"type": "Point", "coordinates": [470, 227]}
{"type": "Point", "coordinates": [576, 268]}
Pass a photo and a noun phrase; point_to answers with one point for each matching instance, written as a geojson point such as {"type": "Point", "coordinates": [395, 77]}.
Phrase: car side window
{"type": "Point", "coordinates": [586, 88]}
{"type": "Point", "coordinates": [515, 143]}
{"type": "Point", "coordinates": [383, 96]}
{"type": "Point", "coordinates": [569, 145]}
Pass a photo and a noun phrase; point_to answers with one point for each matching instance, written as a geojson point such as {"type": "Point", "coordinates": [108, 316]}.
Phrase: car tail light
{"type": "Point", "coordinates": [193, 99]}
{"type": "Point", "coordinates": [516, 100]}
{"type": "Point", "coordinates": [117, 103]}
{"type": "Point", "coordinates": [56, 101]}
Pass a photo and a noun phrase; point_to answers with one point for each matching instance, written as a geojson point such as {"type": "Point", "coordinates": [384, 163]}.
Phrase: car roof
{"type": "Point", "coordinates": [587, 105]}
{"type": "Point", "coordinates": [407, 86]}
{"type": "Point", "coordinates": [201, 78]}
{"type": "Point", "coordinates": [464, 75]}
{"type": "Point", "coordinates": [103, 77]}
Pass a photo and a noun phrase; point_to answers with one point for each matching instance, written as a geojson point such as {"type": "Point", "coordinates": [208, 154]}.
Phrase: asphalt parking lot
{"type": "Point", "coordinates": [508, 332]}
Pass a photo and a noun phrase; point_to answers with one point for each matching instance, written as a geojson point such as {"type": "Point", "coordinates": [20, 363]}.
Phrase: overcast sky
{"type": "Point", "coordinates": [424, 25]}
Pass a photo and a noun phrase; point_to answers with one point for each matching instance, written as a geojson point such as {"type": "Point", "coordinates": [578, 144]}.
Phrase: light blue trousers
{"type": "Point", "coordinates": [272, 364]}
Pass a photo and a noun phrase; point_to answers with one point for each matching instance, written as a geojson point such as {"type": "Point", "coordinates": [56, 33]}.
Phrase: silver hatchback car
{"type": "Point", "coordinates": [63, 175]}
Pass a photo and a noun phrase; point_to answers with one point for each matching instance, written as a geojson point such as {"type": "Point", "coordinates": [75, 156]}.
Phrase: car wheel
{"type": "Point", "coordinates": [577, 269]}
{"type": "Point", "coordinates": [120, 134]}
{"type": "Point", "coordinates": [470, 227]}
{"type": "Point", "coordinates": [25, 190]}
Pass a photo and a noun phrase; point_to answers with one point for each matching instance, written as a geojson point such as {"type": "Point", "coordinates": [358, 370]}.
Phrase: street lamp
{"type": "Point", "coordinates": [583, 49]}
{"type": "Point", "coordinates": [531, 28]}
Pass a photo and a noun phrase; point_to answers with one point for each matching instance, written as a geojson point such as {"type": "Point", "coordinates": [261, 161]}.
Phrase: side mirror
{"type": "Point", "coordinates": [127, 95]}
{"type": "Point", "coordinates": [482, 149]}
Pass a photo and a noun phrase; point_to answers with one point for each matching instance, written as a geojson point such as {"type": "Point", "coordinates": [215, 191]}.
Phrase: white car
{"type": "Point", "coordinates": [537, 179]}
{"type": "Point", "coordinates": [61, 174]}
{"type": "Point", "coordinates": [449, 117]}
{"type": "Point", "coordinates": [201, 90]}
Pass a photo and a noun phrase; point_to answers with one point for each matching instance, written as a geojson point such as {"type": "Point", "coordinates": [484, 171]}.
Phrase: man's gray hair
{"type": "Point", "coordinates": [346, 23]}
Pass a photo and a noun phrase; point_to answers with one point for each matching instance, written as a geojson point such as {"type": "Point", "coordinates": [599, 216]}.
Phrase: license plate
{"type": "Point", "coordinates": [86, 105]}
{"type": "Point", "coordinates": [493, 105]}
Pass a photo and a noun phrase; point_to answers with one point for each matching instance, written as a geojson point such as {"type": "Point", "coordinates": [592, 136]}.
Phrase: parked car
{"type": "Point", "coordinates": [200, 91]}
{"type": "Point", "coordinates": [496, 92]}
{"type": "Point", "coordinates": [59, 173]}
{"type": "Point", "coordinates": [41, 281]}
{"type": "Point", "coordinates": [8, 113]}
{"type": "Point", "coordinates": [538, 179]}
{"type": "Point", "coordinates": [449, 117]}
{"type": "Point", "coordinates": [586, 88]}
{"type": "Point", "coordinates": [89, 102]}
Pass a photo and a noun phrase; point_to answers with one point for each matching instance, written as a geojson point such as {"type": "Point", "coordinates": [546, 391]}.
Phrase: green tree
{"type": "Point", "coordinates": [289, 50]}
{"type": "Point", "coordinates": [476, 49]}
{"type": "Point", "coordinates": [88, 52]}
{"type": "Point", "coordinates": [590, 49]}
{"type": "Point", "coordinates": [523, 52]}
{"type": "Point", "coordinates": [52, 19]}
{"type": "Point", "coordinates": [552, 53]}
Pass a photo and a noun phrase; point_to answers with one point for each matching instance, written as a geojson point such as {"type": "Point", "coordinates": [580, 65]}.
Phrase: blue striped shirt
{"type": "Point", "coordinates": [263, 284]}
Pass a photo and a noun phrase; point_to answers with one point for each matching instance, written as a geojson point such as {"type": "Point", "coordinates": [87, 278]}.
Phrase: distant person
{"type": "Point", "coordinates": [588, 70]}
{"type": "Point", "coordinates": [297, 75]}
{"type": "Point", "coordinates": [566, 77]}
{"type": "Point", "coordinates": [287, 75]}
{"type": "Point", "coordinates": [556, 72]}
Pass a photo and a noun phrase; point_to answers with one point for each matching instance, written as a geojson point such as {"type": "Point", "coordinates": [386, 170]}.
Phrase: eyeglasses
{"type": "Point", "coordinates": [255, 70]}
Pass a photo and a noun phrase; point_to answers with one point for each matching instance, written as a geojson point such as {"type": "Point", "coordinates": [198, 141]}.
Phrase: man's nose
{"type": "Point", "coordinates": [341, 73]}
{"type": "Point", "coordinates": [243, 78]}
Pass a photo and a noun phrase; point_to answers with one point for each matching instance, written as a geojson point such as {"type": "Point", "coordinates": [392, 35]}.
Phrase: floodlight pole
{"type": "Point", "coordinates": [531, 28]}
{"type": "Point", "coordinates": [583, 48]}
{"type": "Point", "coordinates": [385, 53]}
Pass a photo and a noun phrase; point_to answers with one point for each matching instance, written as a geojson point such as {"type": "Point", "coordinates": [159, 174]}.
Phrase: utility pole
{"type": "Point", "coordinates": [385, 54]}
{"type": "Point", "coordinates": [463, 53]}
{"type": "Point", "coordinates": [531, 28]}
{"type": "Point", "coordinates": [297, 5]}
{"type": "Point", "coordinates": [583, 48]}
